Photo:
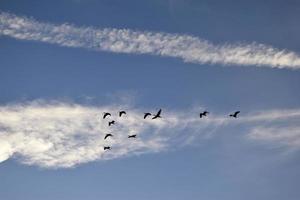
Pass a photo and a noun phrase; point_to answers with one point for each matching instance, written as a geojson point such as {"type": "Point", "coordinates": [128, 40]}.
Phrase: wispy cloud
{"type": "Point", "coordinates": [188, 48]}
{"type": "Point", "coordinates": [278, 136]}
{"type": "Point", "coordinates": [61, 134]}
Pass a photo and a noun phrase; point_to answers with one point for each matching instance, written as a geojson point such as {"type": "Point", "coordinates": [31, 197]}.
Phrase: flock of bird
{"type": "Point", "coordinates": [146, 115]}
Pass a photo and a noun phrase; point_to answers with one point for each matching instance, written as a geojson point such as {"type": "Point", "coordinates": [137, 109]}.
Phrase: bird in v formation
{"type": "Point", "coordinates": [108, 135]}
{"type": "Point", "coordinates": [132, 136]}
{"type": "Point", "coordinates": [234, 114]}
{"type": "Point", "coordinates": [147, 114]}
{"type": "Point", "coordinates": [106, 148]}
{"type": "Point", "coordinates": [122, 113]}
{"type": "Point", "coordinates": [205, 113]}
{"type": "Point", "coordinates": [111, 122]}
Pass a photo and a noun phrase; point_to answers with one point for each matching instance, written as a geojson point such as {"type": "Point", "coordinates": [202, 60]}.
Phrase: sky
{"type": "Point", "coordinates": [63, 63]}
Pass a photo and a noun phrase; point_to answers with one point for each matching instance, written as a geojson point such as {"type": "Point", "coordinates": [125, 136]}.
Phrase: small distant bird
{"type": "Point", "coordinates": [121, 113]}
{"type": "Point", "coordinates": [108, 135]}
{"type": "Point", "coordinates": [132, 136]}
{"type": "Point", "coordinates": [106, 148]}
{"type": "Point", "coordinates": [203, 114]}
{"type": "Point", "coordinates": [146, 115]}
{"type": "Point", "coordinates": [111, 122]}
{"type": "Point", "coordinates": [234, 114]}
{"type": "Point", "coordinates": [106, 114]}
{"type": "Point", "coordinates": [157, 114]}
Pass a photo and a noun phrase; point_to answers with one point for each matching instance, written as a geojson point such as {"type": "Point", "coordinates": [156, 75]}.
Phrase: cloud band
{"type": "Point", "coordinates": [188, 48]}
{"type": "Point", "coordinates": [62, 135]}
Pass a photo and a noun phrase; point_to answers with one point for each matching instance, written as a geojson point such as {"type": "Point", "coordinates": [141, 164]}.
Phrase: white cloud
{"type": "Point", "coordinates": [272, 115]}
{"type": "Point", "coordinates": [61, 134]}
{"type": "Point", "coordinates": [188, 48]}
{"type": "Point", "coordinates": [64, 134]}
{"type": "Point", "coordinates": [278, 136]}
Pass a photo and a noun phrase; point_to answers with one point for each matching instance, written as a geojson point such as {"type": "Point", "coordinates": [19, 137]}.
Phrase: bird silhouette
{"type": "Point", "coordinates": [146, 115]}
{"type": "Point", "coordinates": [106, 148]}
{"type": "Point", "coordinates": [111, 122]}
{"type": "Point", "coordinates": [106, 114]}
{"type": "Point", "coordinates": [132, 136]}
{"type": "Point", "coordinates": [157, 114]}
{"type": "Point", "coordinates": [203, 114]}
{"type": "Point", "coordinates": [108, 135]}
{"type": "Point", "coordinates": [121, 113]}
{"type": "Point", "coordinates": [234, 114]}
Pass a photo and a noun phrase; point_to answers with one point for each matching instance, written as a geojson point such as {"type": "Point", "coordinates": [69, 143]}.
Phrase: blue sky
{"type": "Point", "coordinates": [255, 158]}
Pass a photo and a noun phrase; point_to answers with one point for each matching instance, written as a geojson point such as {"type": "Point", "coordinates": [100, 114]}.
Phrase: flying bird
{"type": "Point", "coordinates": [106, 114]}
{"type": "Point", "coordinates": [157, 114]}
{"type": "Point", "coordinates": [132, 136]}
{"type": "Point", "coordinates": [106, 148]}
{"type": "Point", "coordinates": [121, 113]}
{"type": "Point", "coordinates": [203, 114]}
{"type": "Point", "coordinates": [111, 122]}
{"type": "Point", "coordinates": [108, 135]}
{"type": "Point", "coordinates": [234, 114]}
{"type": "Point", "coordinates": [146, 115]}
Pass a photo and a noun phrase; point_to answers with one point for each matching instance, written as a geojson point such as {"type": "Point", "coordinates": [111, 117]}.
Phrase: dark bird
{"type": "Point", "coordinates": [121, 113]}
{"type": "Point", "coordinates": [146, 115]}
{"type": "Point", "coordinates": [108, 135]}
{"type": "Point", "coordinates": [132, 136]}
{"type": "Point", "coordinates": [203, 114]}
{"type": "Point", "coordinates": [106, 114]}
{"type": "Point", "coordinates": [111, 122]}
{"type": "Point", "coordinates": [106, 148]}
{"type": "Point", "coordinates": [157, 114]}
{"type": "Point", "coordinates": [234, 114]}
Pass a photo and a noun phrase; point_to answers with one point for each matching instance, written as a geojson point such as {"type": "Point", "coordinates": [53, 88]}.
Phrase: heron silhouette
{"type": "Point", "coordinates": [146, 115]}
{"type": "Point", "coordinates": [108, 135]}
{"type": "Point", "coordinates": [157, 115]}
{"type": "Point", "coordinates": [122, 113]}
{"type": "Point", "coordinates": [132, 136]}
{"type": "Point", "coordinates": [111, 122]}
{"type": "Point", "coordinates": [234, 114]}
{"type": "Point", "coordinates": [106, 114]}
{"type": "Point", "coordinates": [106, 148]}
{"type": "Point", "coordinates": [203, 114]}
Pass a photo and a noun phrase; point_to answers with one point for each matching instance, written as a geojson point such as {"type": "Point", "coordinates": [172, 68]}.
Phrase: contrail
{"type": "Point", "coordinates": [188, 48]}
{"type": "Point", "coordinates": [63, 134]}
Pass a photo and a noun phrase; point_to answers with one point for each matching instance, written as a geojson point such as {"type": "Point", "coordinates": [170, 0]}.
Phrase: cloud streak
{"type": "Point", "coordinates": [278, 136]}
{"type": "Point", "coordinates": [188, 48]}
{"type": "Point", "coordinates": [62, 135]}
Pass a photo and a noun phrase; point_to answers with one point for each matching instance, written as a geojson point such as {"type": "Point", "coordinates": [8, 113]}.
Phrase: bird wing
{"type": "Point", "coordinates": [158, 113]}
{"type": "Point", "coordinates": [146, 114]}
{"type": "Point", "coordinates": [121, 113]}
{"type": "Point", "coordinates": [131, 136]}
{"type": "Point", "coordinates": [236, 113]}
{"type": "Point", "coordinates": [105, 115]}
{"type": "Point", "coordinates": [107, 135]}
